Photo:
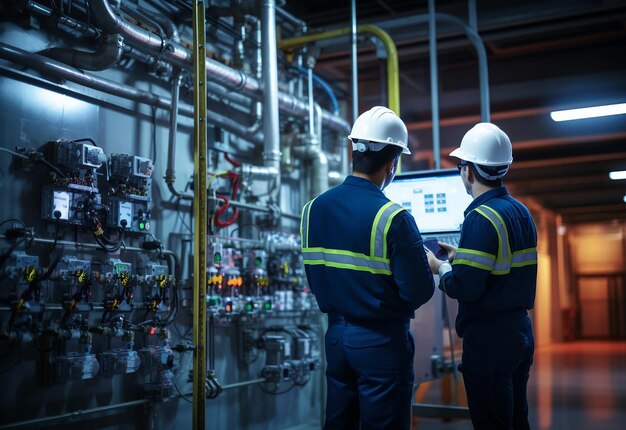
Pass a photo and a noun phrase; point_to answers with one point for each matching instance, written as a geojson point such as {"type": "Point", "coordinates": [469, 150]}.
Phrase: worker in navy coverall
{"type": "Point", "coordinates": [366, 264]}
{"type": "Point", "coordinates": [493, 276]}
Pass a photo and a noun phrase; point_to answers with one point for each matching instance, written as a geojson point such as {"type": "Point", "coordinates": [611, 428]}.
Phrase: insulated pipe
{"type": "Point", "coordinates": [57, 70]}
{"type": "Point", "coordinates": [174, 52]}
{"type": "Point", "coordinates": [66, 21]}
{"type": "Point", "coordinates": [168, 26]}
{"type": "Point", "coordinates": [142, 17]}
{"type": "Point", "coordinates": [271, 150]}
{"type": "Point", "coordinates": [107, 55]}
{"type": "Point", "coordinates": [393, 86]}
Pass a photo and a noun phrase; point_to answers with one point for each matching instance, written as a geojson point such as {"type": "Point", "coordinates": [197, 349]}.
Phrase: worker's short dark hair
{"type": "Point", "coordinates": [370, 162]}
{"type": "Point", "coordinates": [490, 170]}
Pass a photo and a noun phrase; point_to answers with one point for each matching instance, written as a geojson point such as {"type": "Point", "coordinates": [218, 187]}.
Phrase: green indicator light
{"type": "Point", "coordinates": [248, 307]}
{"type": "Point", "coordinates": [257, 261]}
{"type": "Point", "coordinates": [267, 306]}
{"type": "Point", "coordinates": [142, 226]}
{"type": "Point", "coordinates": [217, 258]}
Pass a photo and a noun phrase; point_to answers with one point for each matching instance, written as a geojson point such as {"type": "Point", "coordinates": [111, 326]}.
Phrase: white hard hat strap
{"type": "Point", "coordinates": [489, 177]}
{"type": "Point", "coordinates": [364, 145]}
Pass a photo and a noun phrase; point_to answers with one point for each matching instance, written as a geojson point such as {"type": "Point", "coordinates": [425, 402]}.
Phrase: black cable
{"type": "Point", "coordinates": [53, 266]}
{"type": "Point", "coordinates": [276, 393]}
{"type": "Point", "coordinates": [84, 139]}
{"type": "Point", "coordinates": [38, 158]}
{"type": "Point", "coordinates": [181, 394]}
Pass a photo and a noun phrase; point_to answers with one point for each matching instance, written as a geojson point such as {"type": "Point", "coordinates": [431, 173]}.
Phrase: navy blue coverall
{"type": "Point", "coordinates": [494, 275]}
{"type": "Point", "coordinates": [366, 265]}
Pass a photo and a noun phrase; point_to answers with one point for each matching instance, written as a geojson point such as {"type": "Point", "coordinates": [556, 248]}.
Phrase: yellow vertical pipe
{"type": "Point", "coordinates": [393, 82]}
{"type": "Point", "coordinates": [200, 215]}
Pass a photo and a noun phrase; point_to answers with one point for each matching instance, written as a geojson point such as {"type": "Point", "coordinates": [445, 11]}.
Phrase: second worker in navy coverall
{"type": "Point", "coordinates": [493, 275]}
{"type": "Point", "coordinates": [366, 264]}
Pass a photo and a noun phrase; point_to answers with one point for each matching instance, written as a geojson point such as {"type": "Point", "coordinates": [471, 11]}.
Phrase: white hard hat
{"type": "Point", "coordinates": [377, 128]}
{"type": "Point", "coordinates": [485, 144]}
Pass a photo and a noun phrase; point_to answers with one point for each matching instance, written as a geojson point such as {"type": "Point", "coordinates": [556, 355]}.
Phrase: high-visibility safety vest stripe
{"type": "Point", "coordinates": [377, 262]}
{"type": "Point", "coordinates": [304, 224]}
{"type": "Point", "coordinates": [504, 250]}
{"type": "Point", "coordinates": [345, 260]}
{"type": "Point", "coordinates": [471, 257]}
{"type": "Point", "coordinates": [382, 222]}
{"type": "Point", "coordinates": [505, 260]}
{"type": "Point", "coordinates": [525, 257]}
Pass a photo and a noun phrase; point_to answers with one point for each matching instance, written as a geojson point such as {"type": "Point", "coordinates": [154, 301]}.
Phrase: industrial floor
{"type": "Point", "coordinates": [574, 386]}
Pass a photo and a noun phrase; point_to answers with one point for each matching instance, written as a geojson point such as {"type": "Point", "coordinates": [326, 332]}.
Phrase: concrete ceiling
{"type": "Point", "coordinates": [543, 55]}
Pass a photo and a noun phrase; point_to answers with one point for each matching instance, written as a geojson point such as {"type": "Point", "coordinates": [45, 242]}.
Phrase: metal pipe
{"type": "Point", "coordinates": [393, 83]}
{"type": "Point", "coordinates": [170, 29]}
{"type": "Point", "coordinates": [296, 22]}
{"type": "Point", "coordinates": [271, 150]}
{"type": "Point", "coordinates": [65, 21]}
{"type": "Point", "coordinates": [107, 55]}
{"type": "Point", "coordinates": [55, 69]}
{"type": "Point", "coordinates": [310, 97]}
{"type": "Point", "coordinates": [434, 80]}
{"type": "Point", "coordinates": [170, 172]}
{"type": "Point", "coordinates": [355, 64]}
{"type": "Point", "coordinates": [483, 71]}
{"type": "Point", "coordinates": [75, 415]}
{"type": "Point", "coordinates": [85, 245]}
{"type": "Point", "coordinates": [471, 15]}
{"type": "Point", "coordinates": [242, 384]}
{"type": "Point", "coordinates": [142, 17]}
{"type": "Point", "coordinates": [174, 52]}
{"type": "Point", "coordinates": [79, 414]}
{"type": "Point", "coordinates": [264, 209]}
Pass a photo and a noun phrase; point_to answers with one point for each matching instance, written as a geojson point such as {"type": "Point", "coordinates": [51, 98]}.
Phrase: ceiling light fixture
{"type": "Point", "coordinates": [617, 175]}
{"type": "Point", "coordinates": [624, 199]}
{"type": "Point", "coordinates": [588, 112]}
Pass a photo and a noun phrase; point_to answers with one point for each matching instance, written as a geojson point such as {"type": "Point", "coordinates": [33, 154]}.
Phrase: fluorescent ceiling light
{"type": "Point", "coordinates": [588, 112]}
{"type": "Point", "coordinates": [618, 174]}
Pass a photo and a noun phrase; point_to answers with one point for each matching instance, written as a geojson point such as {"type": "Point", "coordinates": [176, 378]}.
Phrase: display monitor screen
{"type": "Point", "coordinates": [435, 198]}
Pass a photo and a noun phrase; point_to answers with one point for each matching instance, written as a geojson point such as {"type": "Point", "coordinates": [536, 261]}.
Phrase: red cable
{"type": "Point", "coordinates": [232, 160]}
{"type": "Point", "coordinates": [219, 223]}
{"type": "Point", "coordinates": [234, 178]}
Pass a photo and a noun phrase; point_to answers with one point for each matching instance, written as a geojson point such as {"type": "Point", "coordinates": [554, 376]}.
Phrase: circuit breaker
{"type": "Point", "coordinates": [130, 190]}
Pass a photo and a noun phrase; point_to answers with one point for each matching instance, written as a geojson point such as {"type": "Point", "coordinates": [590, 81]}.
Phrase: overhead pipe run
{"type": "Point", "coordinates": [107, 55]}
{"type": "Point", "coordinates": [271, 151]}
{"type": "Point", "coordinates": [483, 71]}
{"type": "Point", "coordinates": [172, 51]}
{"type": "Point", "coordinates": [393, 82]}
{"type": "Point", "coordinates": [57, 70]}
{"type": "Point", "coordinates": [64, 21]}
{"type": "Point", "coordinates": [434, 80]}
